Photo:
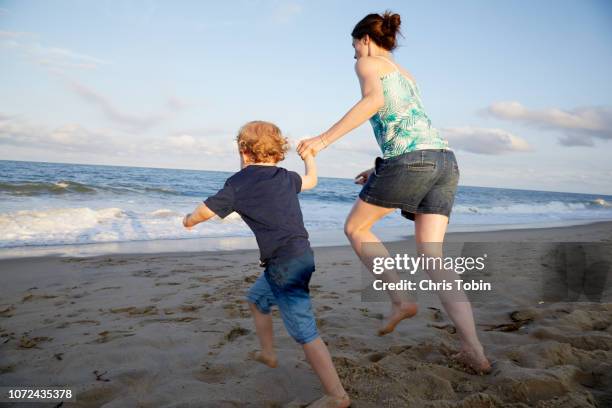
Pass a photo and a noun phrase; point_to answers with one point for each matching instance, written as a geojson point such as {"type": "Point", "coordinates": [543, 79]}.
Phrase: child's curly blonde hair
{"type": "Point", "coordinates": [262, 141]}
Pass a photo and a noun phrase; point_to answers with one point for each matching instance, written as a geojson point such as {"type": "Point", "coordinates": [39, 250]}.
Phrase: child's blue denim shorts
{"type": "Point", "coordinates": [285, 284]}
{"type": "Point", "coordinates": [421, 181]}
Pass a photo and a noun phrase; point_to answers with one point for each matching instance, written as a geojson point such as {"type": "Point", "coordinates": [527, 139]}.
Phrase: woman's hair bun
{"type": "Point", "coordinates": [391, 23]}
{"type": "Point", "coordinates": [381, 28]}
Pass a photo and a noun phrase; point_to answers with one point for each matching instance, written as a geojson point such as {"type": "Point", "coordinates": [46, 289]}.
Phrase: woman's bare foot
{"type": "Point", "coordinates": [268, 359]}
{"type": "Point", "coordinates": [328, 401]}
{"type": "Point", "coordinates": [398, 313]}
{"type": "Point", "coordinates": [476, 360]}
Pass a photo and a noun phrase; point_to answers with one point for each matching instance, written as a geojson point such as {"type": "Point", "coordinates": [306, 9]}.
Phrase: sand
{"type": "Point", "coordinates": [173, 330]}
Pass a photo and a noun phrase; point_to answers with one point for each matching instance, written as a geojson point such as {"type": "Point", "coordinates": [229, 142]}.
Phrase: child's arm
{"type": "Point", "coordinates": [220, 204]}
{"type": "Point", "coordinates": [309, 180]}
{"type": "Point", "coordinates": [200, 214]}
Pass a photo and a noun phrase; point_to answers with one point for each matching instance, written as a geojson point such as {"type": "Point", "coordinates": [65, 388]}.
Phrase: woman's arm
{"type": "Point", "coordinates": [371, 101]}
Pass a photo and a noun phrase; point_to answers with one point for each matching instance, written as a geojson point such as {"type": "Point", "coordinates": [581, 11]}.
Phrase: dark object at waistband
{"type": "Point", "coordinates": [286, 253]}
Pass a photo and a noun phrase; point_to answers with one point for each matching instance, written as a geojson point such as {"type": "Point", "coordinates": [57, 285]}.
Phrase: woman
{"type": "Point", "coordinates": [418, 173]}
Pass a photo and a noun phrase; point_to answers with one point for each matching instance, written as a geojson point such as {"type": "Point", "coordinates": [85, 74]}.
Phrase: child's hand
{"type": "Point", "coordinates": [307, 154]}
{"type": "Point", "coordinates": [186, 222]}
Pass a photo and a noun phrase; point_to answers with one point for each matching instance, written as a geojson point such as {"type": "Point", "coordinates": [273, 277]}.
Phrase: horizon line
{"type": "Point", "coordinates": [340, 178]}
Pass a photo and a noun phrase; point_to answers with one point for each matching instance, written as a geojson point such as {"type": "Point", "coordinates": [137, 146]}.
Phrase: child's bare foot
{"type": "Point", "coordinates": [268, 359]}
{"type": "Point", "coordinates": [476, 360]}
{"type": "Point", "coordinates": [398, 313]}
{"type": "Point", "coordinates": [329, 401]}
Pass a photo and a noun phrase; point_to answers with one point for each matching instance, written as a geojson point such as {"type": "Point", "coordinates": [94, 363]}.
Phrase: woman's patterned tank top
{"type": "Point", "coordinates": [402, 125]}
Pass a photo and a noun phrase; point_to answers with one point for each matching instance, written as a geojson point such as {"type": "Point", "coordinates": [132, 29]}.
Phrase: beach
{"type": "Point", "coordinates": [174, 330]}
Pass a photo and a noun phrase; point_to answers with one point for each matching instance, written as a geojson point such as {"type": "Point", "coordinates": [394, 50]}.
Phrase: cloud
{"type": "Point", "coordinates": [580, 126]}
{"type": "Point", "coordinates": [484, 140]}
{"type": "Point", "coordinates": [15, 34]}
{"type": "Point", "coordinates": [528, 175]}
{"type": "Point", "coordinates": [285, 11]}
{"type": "Point", "coordinates": [133, 121]}
{"type": "Point", "coordinates": [68, 137]}
{"type": "Point", "coordinates": [74, 137]}
{"type": "Point", "coordinates": [5, 117]}
{"type": "Point", "coordinates": [54, 58]}
{"type": "Point", "coordinates": [177, 104]}
{"type": "Point", "coordinates": [198, 143]}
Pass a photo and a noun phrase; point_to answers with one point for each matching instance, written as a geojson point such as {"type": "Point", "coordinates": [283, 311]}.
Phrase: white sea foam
{"type": "Point", "coordinates": [522, 208]}
{"type": "Point", "coordinates": [163, 212]}
{"type": "Point", "coordinates": [602, 202]}
{"type": "Point", "coordinates": [86, 225]}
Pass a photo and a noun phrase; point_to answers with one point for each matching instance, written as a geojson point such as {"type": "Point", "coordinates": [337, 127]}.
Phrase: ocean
{"type": "Point", "coordinates": [51, 204]}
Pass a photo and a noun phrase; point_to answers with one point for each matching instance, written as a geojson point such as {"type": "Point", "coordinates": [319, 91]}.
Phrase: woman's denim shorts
{"type": "Point", "coordinates": [417, 182]}
{"type": "Point", "coordinates": [285, 284]}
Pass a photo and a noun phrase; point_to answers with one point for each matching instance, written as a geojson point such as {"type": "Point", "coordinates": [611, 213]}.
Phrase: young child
{"type": "Point", "coordinates": [265, 196]}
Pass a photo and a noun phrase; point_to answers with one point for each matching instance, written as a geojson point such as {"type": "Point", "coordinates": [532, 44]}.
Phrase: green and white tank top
{"type": "Point", "coordinates": [402, 125]}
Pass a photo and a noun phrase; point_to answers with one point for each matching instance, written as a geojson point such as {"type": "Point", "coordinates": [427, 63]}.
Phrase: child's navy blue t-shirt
{"type": "Point", "coordinates": [266, 199]}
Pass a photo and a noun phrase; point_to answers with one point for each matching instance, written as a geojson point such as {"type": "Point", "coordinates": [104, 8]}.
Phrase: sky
{"type": "Point", "coordinates": [520, 89]}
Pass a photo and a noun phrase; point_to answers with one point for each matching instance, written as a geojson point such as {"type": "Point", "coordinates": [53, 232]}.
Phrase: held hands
{"type": "Point", "coordinates": [362, 177]}
{"type": "Point", "coordinates": [311, 146]}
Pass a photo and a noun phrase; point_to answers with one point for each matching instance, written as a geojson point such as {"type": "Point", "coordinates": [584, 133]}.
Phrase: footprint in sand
{"type": "Point", "coordinates": [107, 288]}
{"type": "Point", "coordinates": [78, 295]}
{"type": "Point", "coordinates": [436, 315]}
{"type": "Point", "coordinates": [184, 319]}
{"type": "Point", "coordinates": [236, 332]}
{"type": "Point", "coordinates": [147, 273]}
{"type": "Point", "coordinates": [181, 270]}
{"type": "Point", "coordinates": [449, 328]}
{"type": "Point", "coordinates": [184, 308]}
{"type": "Point", "coordinates": [365, 312]}
{"type": "Point", "coordinates": [67, 324]}
{"type": "Point", "coordinates": [7, 311]}
{"type": "Point", "coordinates": [112, 262]}
{"type": "Point", "coordinates": [520, 319]}
{"type": "Point", "coordinates": [376, 357]}
{"type": "Point", "coordinates": [136, 311]}
{"type": "Point", "coordinates": [31, 296]}
{"type": "Point", "coordinates": [344, 263]}
{"type": "Point", "coordinates": [26, 342]}
{"type": "Point", "coordinates": [214, 374]}
{"type": "Point", "coordinates": [250, 278]}
{"type": "Point", "coordinates": [234, 310]}
{"type": "Point", "coordinates": [204, 279]}
{"type": "Point", "coordinates": [399, 349]}
{"type": "Point", "coordinates": [190, 308]}
{"type": "Point", "coordinates": [110, 335]}
{"type": "Point", "coordinates": [167, 283]}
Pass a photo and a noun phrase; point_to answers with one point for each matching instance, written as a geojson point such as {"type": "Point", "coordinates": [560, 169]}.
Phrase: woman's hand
{"type": "Point", "coordinates": [312, 146]}
{"type": "Point", "coordinates": [362, 177]}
